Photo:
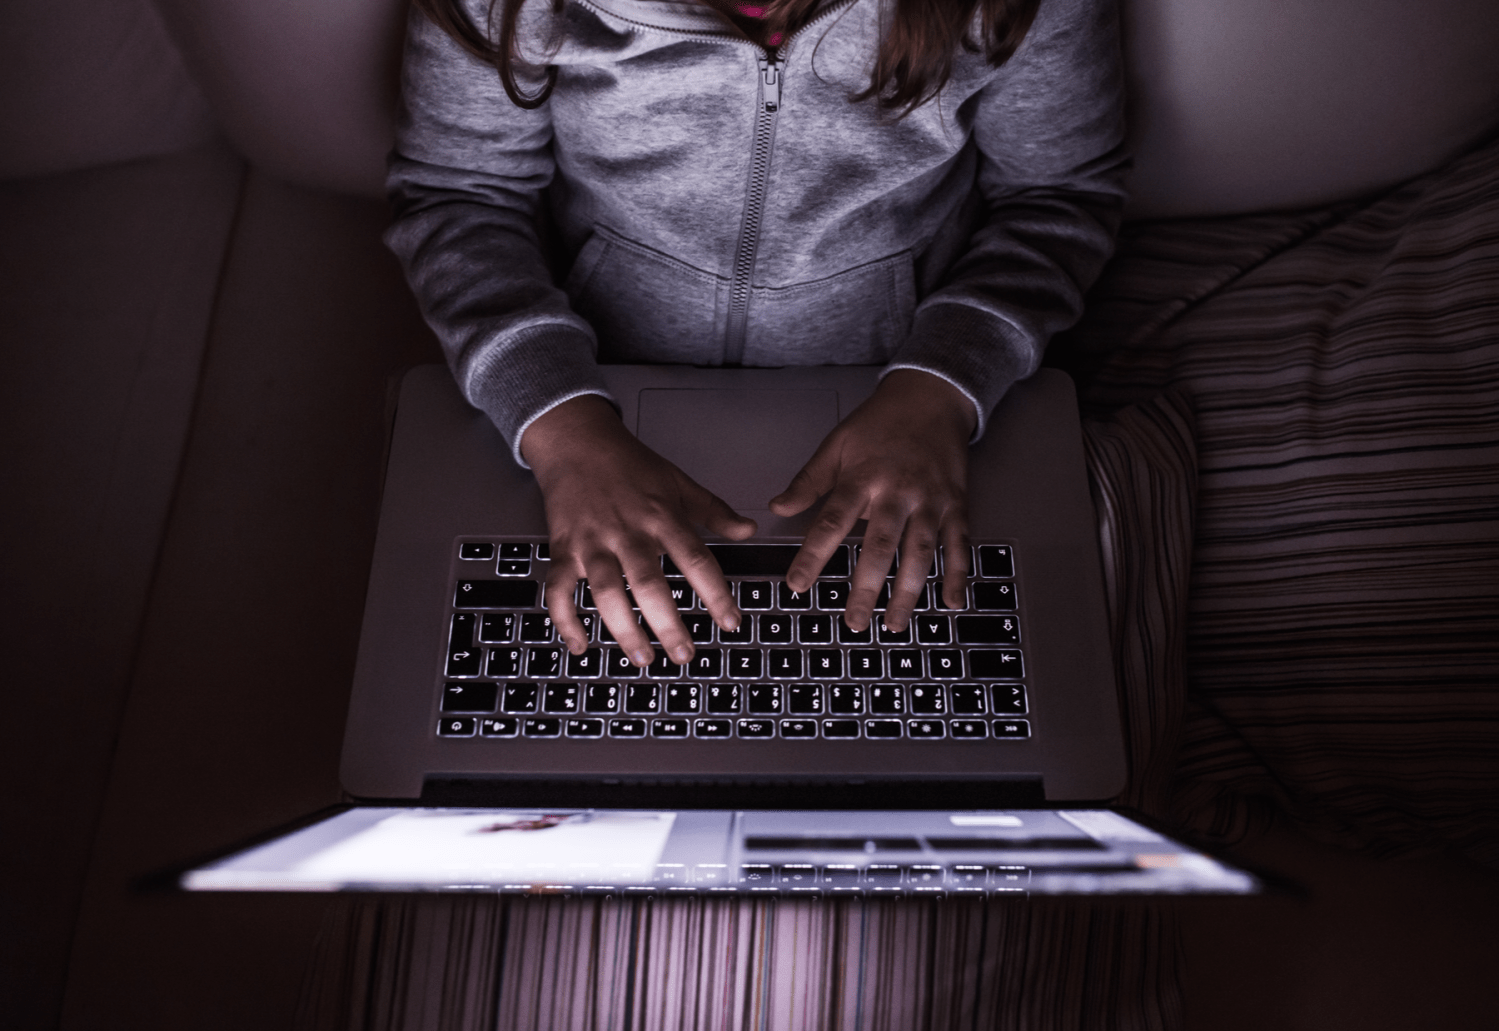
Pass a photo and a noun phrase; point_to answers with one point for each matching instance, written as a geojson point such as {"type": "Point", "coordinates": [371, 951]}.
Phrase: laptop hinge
{"type": "Point", "coordinates": [1011, 792]}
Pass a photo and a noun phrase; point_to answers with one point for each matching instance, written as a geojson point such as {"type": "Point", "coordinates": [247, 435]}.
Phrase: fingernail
{"type": "Point", "coordinates": [643, 658]}
{"type": "Point", "coordinates": [681, 656]}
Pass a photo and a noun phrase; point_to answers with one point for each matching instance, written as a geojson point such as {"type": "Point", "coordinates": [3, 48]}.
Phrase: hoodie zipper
{"type": "Point", "coordinates": [769, 73]}
{"type": "Point", "coordinates": [769, 67]}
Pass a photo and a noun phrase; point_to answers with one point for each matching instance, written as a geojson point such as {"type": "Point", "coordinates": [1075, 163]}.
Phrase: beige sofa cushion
{"type": "Point", "coordinates": [92, 82]}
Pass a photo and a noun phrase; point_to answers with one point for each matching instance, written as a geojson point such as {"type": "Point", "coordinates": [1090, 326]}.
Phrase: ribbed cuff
{"type": "Point", "coordinates": [531, 373]}
{"type": "Point", "coordinates": [978, 353]}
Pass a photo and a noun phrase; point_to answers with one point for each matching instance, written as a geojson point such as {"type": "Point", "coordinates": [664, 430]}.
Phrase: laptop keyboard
{"type": "Point", "coordinates": [792, 671]}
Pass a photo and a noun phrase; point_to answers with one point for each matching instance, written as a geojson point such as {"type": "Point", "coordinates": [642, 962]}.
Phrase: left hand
{"type": "Point", "coordinates": [900, 460]}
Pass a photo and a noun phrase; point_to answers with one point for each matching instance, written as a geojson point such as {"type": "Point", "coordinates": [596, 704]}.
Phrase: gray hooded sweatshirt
{"type": "Point", "coordinates": [684, 197]}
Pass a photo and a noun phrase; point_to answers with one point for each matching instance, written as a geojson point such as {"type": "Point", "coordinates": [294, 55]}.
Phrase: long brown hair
{"type": "Point", "coordinates": [913, 64]}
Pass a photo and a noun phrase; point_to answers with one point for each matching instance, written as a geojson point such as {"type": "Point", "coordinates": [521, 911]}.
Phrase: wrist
{"type": "Point", "coordinates": [555, 436]}
{"type": "Point", "coordinates": [932, 395]}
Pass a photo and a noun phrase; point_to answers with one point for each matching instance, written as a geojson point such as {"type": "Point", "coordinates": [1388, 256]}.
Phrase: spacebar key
{"type": "Point", "coordinates": [764, 560]}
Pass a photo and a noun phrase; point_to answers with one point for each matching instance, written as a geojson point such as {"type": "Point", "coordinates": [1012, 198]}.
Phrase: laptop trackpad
{"type": "Point", "coordinates": [743, 445]}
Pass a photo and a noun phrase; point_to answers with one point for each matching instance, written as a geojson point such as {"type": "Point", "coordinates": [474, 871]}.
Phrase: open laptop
{"type": "Point", "coordinates": [966, 754]}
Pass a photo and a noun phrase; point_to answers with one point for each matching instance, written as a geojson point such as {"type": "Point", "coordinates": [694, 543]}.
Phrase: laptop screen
{"type": "Point", "coordinates": [1046, 852]}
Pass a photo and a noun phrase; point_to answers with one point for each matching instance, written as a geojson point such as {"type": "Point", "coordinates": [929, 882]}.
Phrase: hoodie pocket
{"type": "Point", "coordinates": [858, 317]}
{"type": "Point", "coordinates": [645, 306]}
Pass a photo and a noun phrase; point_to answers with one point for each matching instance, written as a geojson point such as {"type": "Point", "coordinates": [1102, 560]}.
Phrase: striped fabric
{"type": "Point", "coordinates": [1342, 368]}
{"type": "Point", "coordinates": [519, 964]}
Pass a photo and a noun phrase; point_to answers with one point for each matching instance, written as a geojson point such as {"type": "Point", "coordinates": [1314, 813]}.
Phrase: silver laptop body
{"type": "Point", "coordinates": [742, 433]}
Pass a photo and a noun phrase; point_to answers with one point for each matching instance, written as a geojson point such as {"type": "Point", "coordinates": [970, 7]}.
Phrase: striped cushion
{"type": "Point", "coordinates": [1342, 367]}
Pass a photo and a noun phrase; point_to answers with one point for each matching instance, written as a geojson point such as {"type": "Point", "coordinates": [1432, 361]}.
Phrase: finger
{"type": "Point", "coordinates": [654, 598]}
{"type": "Point", "coordinates": [707, 509]}
{"type": "Point", "coordinates": [918, 545]}
{"type": "Point", "coordinates": [562, 579]}
{"type": "Point", "coordinates": [834, 521]}
{"type": "Point", "coordinates": [702, 571]}
{"type": "Point", "coordinates": [814, 480]}
{"type": "Point", "coordinates": [607, 584]}
{"type": "Point", "coordinates": [875, 556]}
{"type": "Point", "coordinates": [955, 556]}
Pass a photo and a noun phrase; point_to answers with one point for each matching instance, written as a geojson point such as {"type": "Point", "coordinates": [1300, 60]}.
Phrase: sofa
{"type": "Point", "coordinates": [201, 332]}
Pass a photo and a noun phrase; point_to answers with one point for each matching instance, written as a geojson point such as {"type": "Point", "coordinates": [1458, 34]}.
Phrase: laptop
{"type": "Point", "coordinates": [968, 753]}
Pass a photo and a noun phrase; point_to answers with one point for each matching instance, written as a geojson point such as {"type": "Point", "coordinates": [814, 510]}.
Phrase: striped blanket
{"type": "Point", "coordinates": [1293, 440]}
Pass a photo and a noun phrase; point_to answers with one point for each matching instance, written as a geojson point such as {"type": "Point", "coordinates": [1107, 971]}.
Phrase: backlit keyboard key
{"type": "Point", "coordinates": [927, 700]}
{"type": "Point", "coordinates": [642, 698]}
{"type": "Point", "coordinates": [832, 595]}
{"type": "Point", "coordinates": [627, 728]}
{"type": "Point", "coordinates": [585, 728]}
{"type": "Point", "coordinates": [927, 729]}
{"type": "Point", "coordinates": [713, 728]}
{"type": "Point", "coordinates": [618, 664]}
{"type": "Point", "coordinates": [825, 664]}
{"type": "Point", "coordinates": [882, 729]}
{"type": "Point", "coordinates": [996, 664]}
{"type": "Point", "coordinates": [775, 629]}
{"type": "Point", "coordinates": [967, 699]}
{"type": "Point", "coordinates": [662, 668]}
{"type": "Point", "coordinates": [473, 697]}
{"type": "Point", "coordinates": [969, 729]}
{"type": "Point", "coordinates": [723, 698]}
{"type": "Point", "coordinates": [682, 698]}
{"type": "Point", "coordinates": [498, 627]}
{"type": "Point", "coordinates": [499, 726]}
{"type": "Point", "coordinates": [503, 662]}
{"type": "Point", "coordinates": [785, 663]}
{"type": "Point", "coordinates": [945, 665]}
{"type": "Point", "coordinates": [542, 727]}
{"type": "Point", "coordinates": [757, 728]}
{"type": "Point", "coordinates": [802, 699]}
{"type": "Point", "coordinates": [994, 597]}
{"type": "Point", "coordinates": [755, 594]}
{"type": "Point", "coordinates": [563, 698]}
{"type": "Point", "coordinates": [520, 698]}
{"type": "Point", "coordinates": [866, 664]}
{"type": "Point", "coordinates": [744, 664]}
{"type": "Point", "coordinates": [840, 729]}
{"type": "Point", "coordinates": [544, 662]}
{"type": "Point", "coordinates": [790, 600]}
{"type": "Point", "coordinates": [988, 630]}
{"type": "Point", "coordinates": [1008, 699]}
{"type": "Point", "coordinates": [707, 664]}
{"type": "Point", "coordinates": [933, 630]}
{"type": "Point", "coordinates": [681, 594]}
{"type": "Point", "coordinates": [765, 698]}
{"type": "Point", "coordinates": [887, 699]}
{"type": "Point", "coordinates": [1012, 728]}
{"type": "Point", "coordinates": [905, 665]}
{"type": "Point", "coordinates": [476, 551]}
{"type": "Point", "coordinates": [496, 594]}
{"type": "Point", "coordinates": [601, 698]}
{"type": "Point", "coordinates": [888, 636]}
{"type": "Point", "coordinates": [846, 699]}
{"type": "Point", "coordinates": [815, 629]}
{"type": "Point", "coordinates": [798, 728]}
{"type": "Point", "coordinates": [996, 560]}
{"type": "Point", "coordinates": [457, 726]}
{"type": "Point", "coordinates": [699, 627]}
{"type": "Point", "coordinates": [536, 627]}
{"type": "Point", "coordinates": [670, 728]}
{"type": "Point", "coordinates": [586, 666]}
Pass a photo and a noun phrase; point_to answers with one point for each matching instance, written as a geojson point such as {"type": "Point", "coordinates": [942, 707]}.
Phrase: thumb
{"type": "Point", "coordinates": [814, 480]}
{"type": "Point", "coordinates": [708, 509]}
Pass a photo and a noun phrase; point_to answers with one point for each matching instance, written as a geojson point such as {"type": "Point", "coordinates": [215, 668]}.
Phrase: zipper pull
{"type": "Point", "coordinates": [770, 81]}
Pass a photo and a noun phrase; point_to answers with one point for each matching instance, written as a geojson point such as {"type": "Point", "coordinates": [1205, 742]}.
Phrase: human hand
{"type": "Point", "coordinates": [900, 460]}
{"type": "Point", "coordinates": [613, 508]}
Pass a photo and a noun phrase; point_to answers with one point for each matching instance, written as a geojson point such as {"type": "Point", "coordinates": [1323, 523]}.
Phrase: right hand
{"type": "Point", "coordinates": [614, 507]}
